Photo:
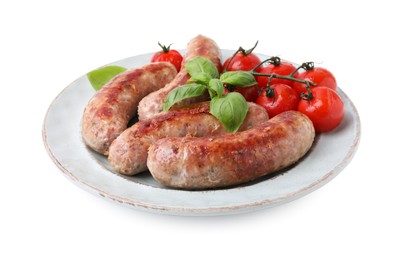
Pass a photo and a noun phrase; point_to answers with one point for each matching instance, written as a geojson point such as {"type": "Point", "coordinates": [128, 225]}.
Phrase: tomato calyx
{"type": "Point", "coordinates": [275, 60]}
{"type": "Point", "coordinates": [270, 92]}
{"type": "Point", "coordinates": [307, 96]}
{"type": "Point", "coordinates": [230, 87]}
{"type": "Point", "coordinates": [165, 49]}
{"type": "Point", "coordinates": [307, 65]}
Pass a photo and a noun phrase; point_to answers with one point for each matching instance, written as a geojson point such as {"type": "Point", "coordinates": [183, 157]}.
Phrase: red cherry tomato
{"type": "Point", "coordinates": [245, 61]}
{"type": "Point", "coordinates": [280, 68]}
{"type": "Point", "coordinates": [242, 61]}
{"type": "Point", "coordinates": [277, 99]}
{"type": "Point", "coordinates": [317, 75]}
{"type": "Point", "coordinates": [172, 56]}
{"type": "Point", "coordinates": [249, 93]}
{"type": "Point", "coordinates": [325, 109]}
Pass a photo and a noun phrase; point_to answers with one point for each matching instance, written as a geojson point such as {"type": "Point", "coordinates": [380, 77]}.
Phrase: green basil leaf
{"type": "Point", "coordinates": [217, 86]}
{"type": "Point", "coordinates": [200, 64]}
{"type": "Point", "coordinates": [183, 92]}
{"type": "Point", "coordinates": [201, 78]}
{"type": "Point", "coordinates": [99, 77]}
{"type": "Point", "coordinates": [230, 110]}
{"type": "Point", "coordinates": [238, 78]}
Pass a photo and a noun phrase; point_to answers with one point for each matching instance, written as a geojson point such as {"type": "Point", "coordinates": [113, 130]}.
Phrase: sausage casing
{"type": "Point", "coordinates": [128, 152]}
{"type": "Point", "coordinates": [108, 112]}
{"type": "Point", "coordinates": [199, 46]}
{"type": "Point", "coordinates": [210, 162]}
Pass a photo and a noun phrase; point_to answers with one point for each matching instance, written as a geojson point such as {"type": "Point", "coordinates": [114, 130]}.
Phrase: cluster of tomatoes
{"type": "Point", "coordinates": [308, 89]}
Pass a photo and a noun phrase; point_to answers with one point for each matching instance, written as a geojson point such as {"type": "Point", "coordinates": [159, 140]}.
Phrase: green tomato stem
{"type": "Point", "coordinates": [273, 60]}
{"type": "Point", "coordinates": [298, 68]}
{"type": "Point", "coordinates": [247, 52]}
{"type": "Point", "coordinates": [305, 65]}
{"type": "Point", "coordinates": [262, 62]}
{"type": "Point", "coordinates": [283, 77]}
{"type": "Point", "coordinates": [243, 51]}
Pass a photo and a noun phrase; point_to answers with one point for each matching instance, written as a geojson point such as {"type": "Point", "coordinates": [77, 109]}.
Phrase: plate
{"type": "Point", "coordinates": [330, 153]}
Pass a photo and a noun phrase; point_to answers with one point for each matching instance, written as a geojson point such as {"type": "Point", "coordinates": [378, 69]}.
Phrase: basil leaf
{"type": "Point", "coordinates": [99, 77]}
{"type": "Point", "coordinates": [217, 86]}
{"type": "Point", "coordinates": [238, 78]}
{"type": "Point", "coordinates": [201, 78]}
{"type": "Point", "coordinates": [230, 110]}
{"type": "Point", "coordinates": [200, 64]}
{"type": "Point", "coordinates": [183, 92]}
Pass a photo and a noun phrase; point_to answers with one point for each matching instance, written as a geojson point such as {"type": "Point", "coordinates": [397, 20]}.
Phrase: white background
{"type": "Point", "coordinates": [45, 45]}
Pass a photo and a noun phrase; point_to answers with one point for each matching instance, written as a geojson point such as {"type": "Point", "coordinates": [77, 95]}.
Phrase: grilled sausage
{"type": "Point", "coordinates": [128, 152]}
{"type": "Point", "coordinates": [209, 162]}
{"type": "Point", "coordinates": [108, 112]}
{"type": "Point", "coordinates": [198, 46]}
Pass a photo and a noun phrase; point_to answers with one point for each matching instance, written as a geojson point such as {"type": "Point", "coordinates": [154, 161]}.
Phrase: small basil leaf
{"type": "Point", "coordinates": [238, 78]}
{"type": "Point", "coordinates": [217, 86]}
{"type": "Point", "coordinates": [230, 110]}
{"type": "Point", "coordinates": [99, 77]}
{"type": "Point", "coordinates": [201, 78]}
{"type": "Point", "coordinates": [200, 64]}
{"type": "Point", "coordinates": [183, 92]}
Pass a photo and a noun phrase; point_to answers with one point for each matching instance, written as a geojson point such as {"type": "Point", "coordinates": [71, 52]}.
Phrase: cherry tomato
{"type": "Point", "coordinates": [317, 75]}
{"type": "Point", "coordinates": [277, 99]}
{"type": "Point", "coordinates": [325, 109]}
{"type": "Point", "coordinates": [242, 61]}
{"type": "Point", "coordinates": [278, 67]}
{"type": "Point", "coordinates": [249, 93]}
{"type": "Point", "coordinates": [172, 56]}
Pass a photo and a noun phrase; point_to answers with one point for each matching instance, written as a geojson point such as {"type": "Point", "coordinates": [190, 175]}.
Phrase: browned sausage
{"type": "Point", "coordinates": [210, 162]}
{"type": "Point", "coordinates": [198, 46]}
{"type": "Point", "coordinates": [128, 153]}
{"type": "Point", "coordinates": [110, 109]}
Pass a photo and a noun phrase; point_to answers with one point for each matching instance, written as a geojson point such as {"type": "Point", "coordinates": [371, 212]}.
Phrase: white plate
{"type": "Point", "coordinates": [330, 153]}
